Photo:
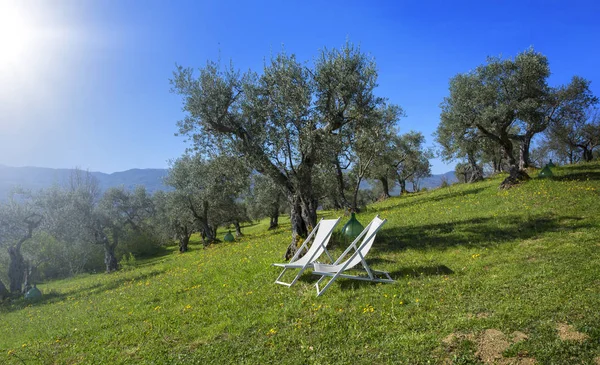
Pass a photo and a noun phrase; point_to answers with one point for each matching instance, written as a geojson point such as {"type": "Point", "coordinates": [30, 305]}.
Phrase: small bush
{"type": "Point", "coordinates": [127, 261]}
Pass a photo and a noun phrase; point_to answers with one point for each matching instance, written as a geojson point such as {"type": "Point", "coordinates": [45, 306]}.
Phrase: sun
{"type": "Point", "coordinates": [17, 35]}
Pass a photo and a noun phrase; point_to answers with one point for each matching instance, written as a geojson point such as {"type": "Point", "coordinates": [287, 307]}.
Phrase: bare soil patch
{"type": "Point", "coordinates": [566, 332]}
{"type": "Point", "coordinates": [490, 344]}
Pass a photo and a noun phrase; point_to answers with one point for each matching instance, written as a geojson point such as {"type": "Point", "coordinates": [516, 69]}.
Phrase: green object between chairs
{"type": "Point", "coordinates": [352, 229]}
{"type": "Point", "coordinates": [228, 237]}
{"type": "Point", "coordinates": [546, 172]}
{"type": "Point", "coordinates": [33, 294]}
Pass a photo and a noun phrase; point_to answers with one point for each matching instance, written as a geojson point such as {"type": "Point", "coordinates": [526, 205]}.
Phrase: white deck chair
{"type": "Point", "coordinates": [338, 268]}
{"type": "Point", "coordinates": [323, 230]}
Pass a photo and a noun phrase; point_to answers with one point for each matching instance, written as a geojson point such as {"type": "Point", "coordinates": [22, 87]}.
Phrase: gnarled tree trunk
{"type": "Point", "coordinates": [238, 229]}
{"type": "Point", "coordinates": [110, 258]}
{"type": "Point", "coordinates": [476, 171]}
{"type": "Point", "coordinates": [524, 146]}
{"type": "Point", "coordinates": [341, 200]}
{"type": "Point", "coordinates": [184, 239]}
{"type": "Point", "coordinates": [402, 184]}
{"type": "Point", "coordinates": [274, 222]}
{"type": "Point", "coordinates": [17, 268]}
{"type": "Point", "coordinates": [386, 188]}
{"type": "Point", "coordinates": [274, 216]}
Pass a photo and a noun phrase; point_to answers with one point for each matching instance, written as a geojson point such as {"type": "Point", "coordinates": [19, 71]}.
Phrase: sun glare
{"type": "Point", "coordinates": [17, 35]}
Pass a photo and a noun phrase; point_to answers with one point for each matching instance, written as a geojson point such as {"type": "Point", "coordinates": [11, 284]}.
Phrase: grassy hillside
{"type": "Point", "coordinates": [482, 275]}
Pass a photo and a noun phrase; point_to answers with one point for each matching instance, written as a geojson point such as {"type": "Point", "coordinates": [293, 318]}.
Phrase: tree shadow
{"type": "Point", "coordinates": [410, 199]}
{"type": "Point", "coordinates": [16, 304]}
{"type": "Point", "coordinates": [416, 271]}
{"type": "Point", "coordinates": [477, 232]}
{"type": "Point", "coordinates": [413, 271]}
{"type": "Point", "coordinates": [584, 166]}
{"type": "Point", "coordinates": [579, 176]}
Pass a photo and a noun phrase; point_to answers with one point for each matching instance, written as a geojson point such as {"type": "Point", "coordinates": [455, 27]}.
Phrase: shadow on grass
{"type": "Point", "coordinates": [412, 271]}
{"type": "Point", "coordinates": [19, 303]}
{"type": "Point", "coordinates": [410, 198]}
{"type": "Point", "coordinates": [584, 166]}
{"type": "Point", "coordinates": [477, 232]}
{"type": "Point", "coordinates": [415, 271]}
{"type": "Point", "coordinates": [579, 176]}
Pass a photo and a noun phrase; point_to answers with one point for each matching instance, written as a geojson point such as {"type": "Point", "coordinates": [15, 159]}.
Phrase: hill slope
{"type": "Point", "coordinates": [481, 275]}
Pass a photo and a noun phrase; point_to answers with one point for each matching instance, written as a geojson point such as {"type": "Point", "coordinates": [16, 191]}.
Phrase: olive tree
{"type": "Point", "coordinates": [280, 120]}
{"type": "Point", "coordinates": [579, 133]}
{"type": "Point", "coordinates": [208, 189]}
{"type": "Point", "coordinates": [371, 146]}
{"type": "Point", "coordinates": [494, 96]}
{"type": "Point", "coordinates": [266, 199]}
{"type": "Point", "coordinates": [19, 218]}
{"type": "Point", "coordinates": [556, 107]}
{"type": "Point", "coordinates": [173, 220]}
{"type": "Point", "coordinates": [413, 159]}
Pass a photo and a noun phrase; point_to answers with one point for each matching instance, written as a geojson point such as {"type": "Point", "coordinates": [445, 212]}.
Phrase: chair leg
{"type": "Point", "coordinates": [279, 277]}
{"type": "Point", "coordinates": [298, 276]}
{"type": "Point", "coordinates": [321, 291]}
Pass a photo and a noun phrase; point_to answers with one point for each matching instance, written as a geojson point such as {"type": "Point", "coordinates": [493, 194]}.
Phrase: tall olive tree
{"type": "Point", "coordinates": [19, 218]}
{"type": "Point", "coordinates": [494, 96]}
{"type": "Point", "coordinates": [558, 106]}
{"type": "Point", "coordinates": [280, 120]}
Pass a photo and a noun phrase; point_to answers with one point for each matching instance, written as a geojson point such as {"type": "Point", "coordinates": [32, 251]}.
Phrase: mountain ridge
{"type": "Point", "coordinates": [38, 178]}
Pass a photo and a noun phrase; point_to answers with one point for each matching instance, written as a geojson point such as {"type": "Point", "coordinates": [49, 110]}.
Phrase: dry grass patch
{"type": "Point", "coordinates": [490, 345]}
{"type": "Point", "coordinates": [566, 332]}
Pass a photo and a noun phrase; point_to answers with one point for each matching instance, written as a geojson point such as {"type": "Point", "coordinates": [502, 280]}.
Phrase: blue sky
{"type": "Point", "coordinates": [92, 89]}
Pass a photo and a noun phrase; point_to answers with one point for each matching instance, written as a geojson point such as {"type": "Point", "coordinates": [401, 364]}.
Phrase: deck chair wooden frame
{"type": "Point", "coordinates": [322, 234]}
{"type": "Point", "coordinates": [337, 269]}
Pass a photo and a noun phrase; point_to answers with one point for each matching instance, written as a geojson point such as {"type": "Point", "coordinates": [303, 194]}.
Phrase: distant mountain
{"type": "Point", "coordinates": [430, 182]}
{"type": "Point", "coordinates": [37, 178]}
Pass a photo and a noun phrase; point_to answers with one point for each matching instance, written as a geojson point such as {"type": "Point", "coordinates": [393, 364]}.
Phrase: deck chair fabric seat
{"type": "Point", "coordinates": [322, 234]}
{"type": "Point", "coordinates": [338, 268]}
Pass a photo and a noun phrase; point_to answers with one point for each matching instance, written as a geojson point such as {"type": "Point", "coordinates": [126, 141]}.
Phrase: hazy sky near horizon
{"type": "Point", "coordinates": [86, 83]}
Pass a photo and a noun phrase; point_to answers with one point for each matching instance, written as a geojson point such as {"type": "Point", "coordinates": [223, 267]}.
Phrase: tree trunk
{"type": "Point", "coordinates": [402, 184]}
{"type": "Point", "coordinates": [303, 216]}
{"type": "Point", "coordinates": [238, 229]}
{"type": "Point", "coordinates": [16, 269]}
{"type": "Point", "coordinates": [274, 216]}
{"type": "Point", "coordinates": [274, 222]}
{"type": "Point", "coordinates": [516, 175]}
{"type": "Point", "coordinates": [110, 259]}
{"type": "Point", "coordinates": [524, 152]}
{"type": "Point", "coordinates": [342, 201]}
{"type": "Point", "coordinates": [354, 206]}
{"type": "Point", "coordinates": [587, 155]}
{"type": "Point", "coordinates": [209, 235]}
{"type": "Point", "coordinates": [476, 172]}
{"type": "Point", "coordinates": [386, 189]}
{"type": "Point", "coordinates": [184, 241]}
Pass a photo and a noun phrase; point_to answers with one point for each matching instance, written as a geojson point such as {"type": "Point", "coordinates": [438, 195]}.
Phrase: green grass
{"type": "Point", "coordinates": [465, 258]}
